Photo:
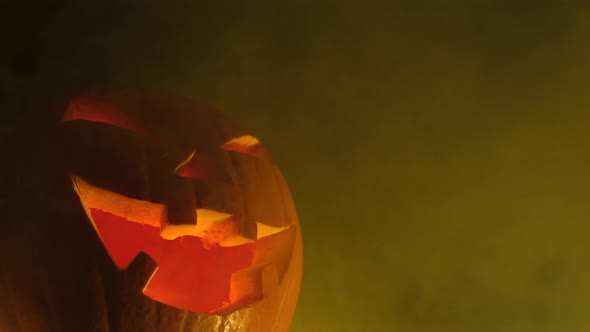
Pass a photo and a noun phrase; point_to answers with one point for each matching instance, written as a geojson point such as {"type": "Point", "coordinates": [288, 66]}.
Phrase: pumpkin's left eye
{"type": "Point", "coordinates": [104, 141]}
{"type": "Point", "coordinates": [82, 109]}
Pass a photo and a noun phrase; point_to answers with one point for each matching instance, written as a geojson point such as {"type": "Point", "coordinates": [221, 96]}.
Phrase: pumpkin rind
{"type": "Point", "coordinates": [56, 274]}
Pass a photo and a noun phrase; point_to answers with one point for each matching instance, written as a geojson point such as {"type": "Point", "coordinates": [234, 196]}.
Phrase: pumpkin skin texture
{"type": "Point", "coordinates": [59, 269]}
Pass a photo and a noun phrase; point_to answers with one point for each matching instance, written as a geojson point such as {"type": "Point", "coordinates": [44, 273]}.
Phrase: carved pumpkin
{"type": "Point", "coordinates": [131, 211]}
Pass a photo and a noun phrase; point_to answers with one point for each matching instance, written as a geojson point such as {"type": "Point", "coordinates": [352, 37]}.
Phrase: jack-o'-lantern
{"type": "Point", "coordinates": [134, 211]}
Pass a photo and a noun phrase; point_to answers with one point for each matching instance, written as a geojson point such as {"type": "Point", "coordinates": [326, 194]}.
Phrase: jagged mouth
{"type": "Point", "coordinates": [195, 272]}
{"type": "Point", "coordinates": [208, 261]}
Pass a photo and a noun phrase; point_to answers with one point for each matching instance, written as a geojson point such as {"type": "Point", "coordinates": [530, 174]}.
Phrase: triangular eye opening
{"type": "Point", "coordinates": [86, 109]}
{"type": "Point", "coordinates": [246, 144]}
{"type": "Point", "coordinates": [201, 166]}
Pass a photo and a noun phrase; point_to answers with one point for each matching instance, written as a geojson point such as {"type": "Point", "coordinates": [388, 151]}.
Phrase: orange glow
{"type": "Point", "coordinates": [91, 110]}
{"type": "Point", "coordinates": [247, 144]}
{"type": "Point", "coordinates": [201, 167]}
{"type": "Point", "coordinates": [197, 271]}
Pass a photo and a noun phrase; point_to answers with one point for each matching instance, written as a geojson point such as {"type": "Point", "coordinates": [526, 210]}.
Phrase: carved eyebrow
{"type": "Point", "coordinates": [86, 109]}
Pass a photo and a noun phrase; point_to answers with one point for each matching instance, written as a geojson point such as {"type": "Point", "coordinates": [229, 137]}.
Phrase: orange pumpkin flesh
{"type": "Point", "coordinates": [192, 274]}
{"type": "Point", "coordinates": [201, 197]}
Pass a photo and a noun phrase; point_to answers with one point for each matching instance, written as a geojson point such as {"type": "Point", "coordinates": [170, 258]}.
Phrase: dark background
{"type": "Point", "coordinates": [437, 150]}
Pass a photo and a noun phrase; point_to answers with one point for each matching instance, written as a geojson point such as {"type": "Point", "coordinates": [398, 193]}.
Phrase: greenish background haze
{"type": "Point", "coordinates": [438, 151]}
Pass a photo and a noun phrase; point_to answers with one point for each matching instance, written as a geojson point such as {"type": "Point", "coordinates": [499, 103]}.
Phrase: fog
{"type": "Point", "coordinates": [437, 153]}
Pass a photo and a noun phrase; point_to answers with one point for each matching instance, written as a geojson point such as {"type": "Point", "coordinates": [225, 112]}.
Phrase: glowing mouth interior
{"type": "Point", "coordinates": [207, 267]}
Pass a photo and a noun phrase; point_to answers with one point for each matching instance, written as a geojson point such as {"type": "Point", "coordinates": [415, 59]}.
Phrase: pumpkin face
{"type": "Point", "coordinates": [188, 215]}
